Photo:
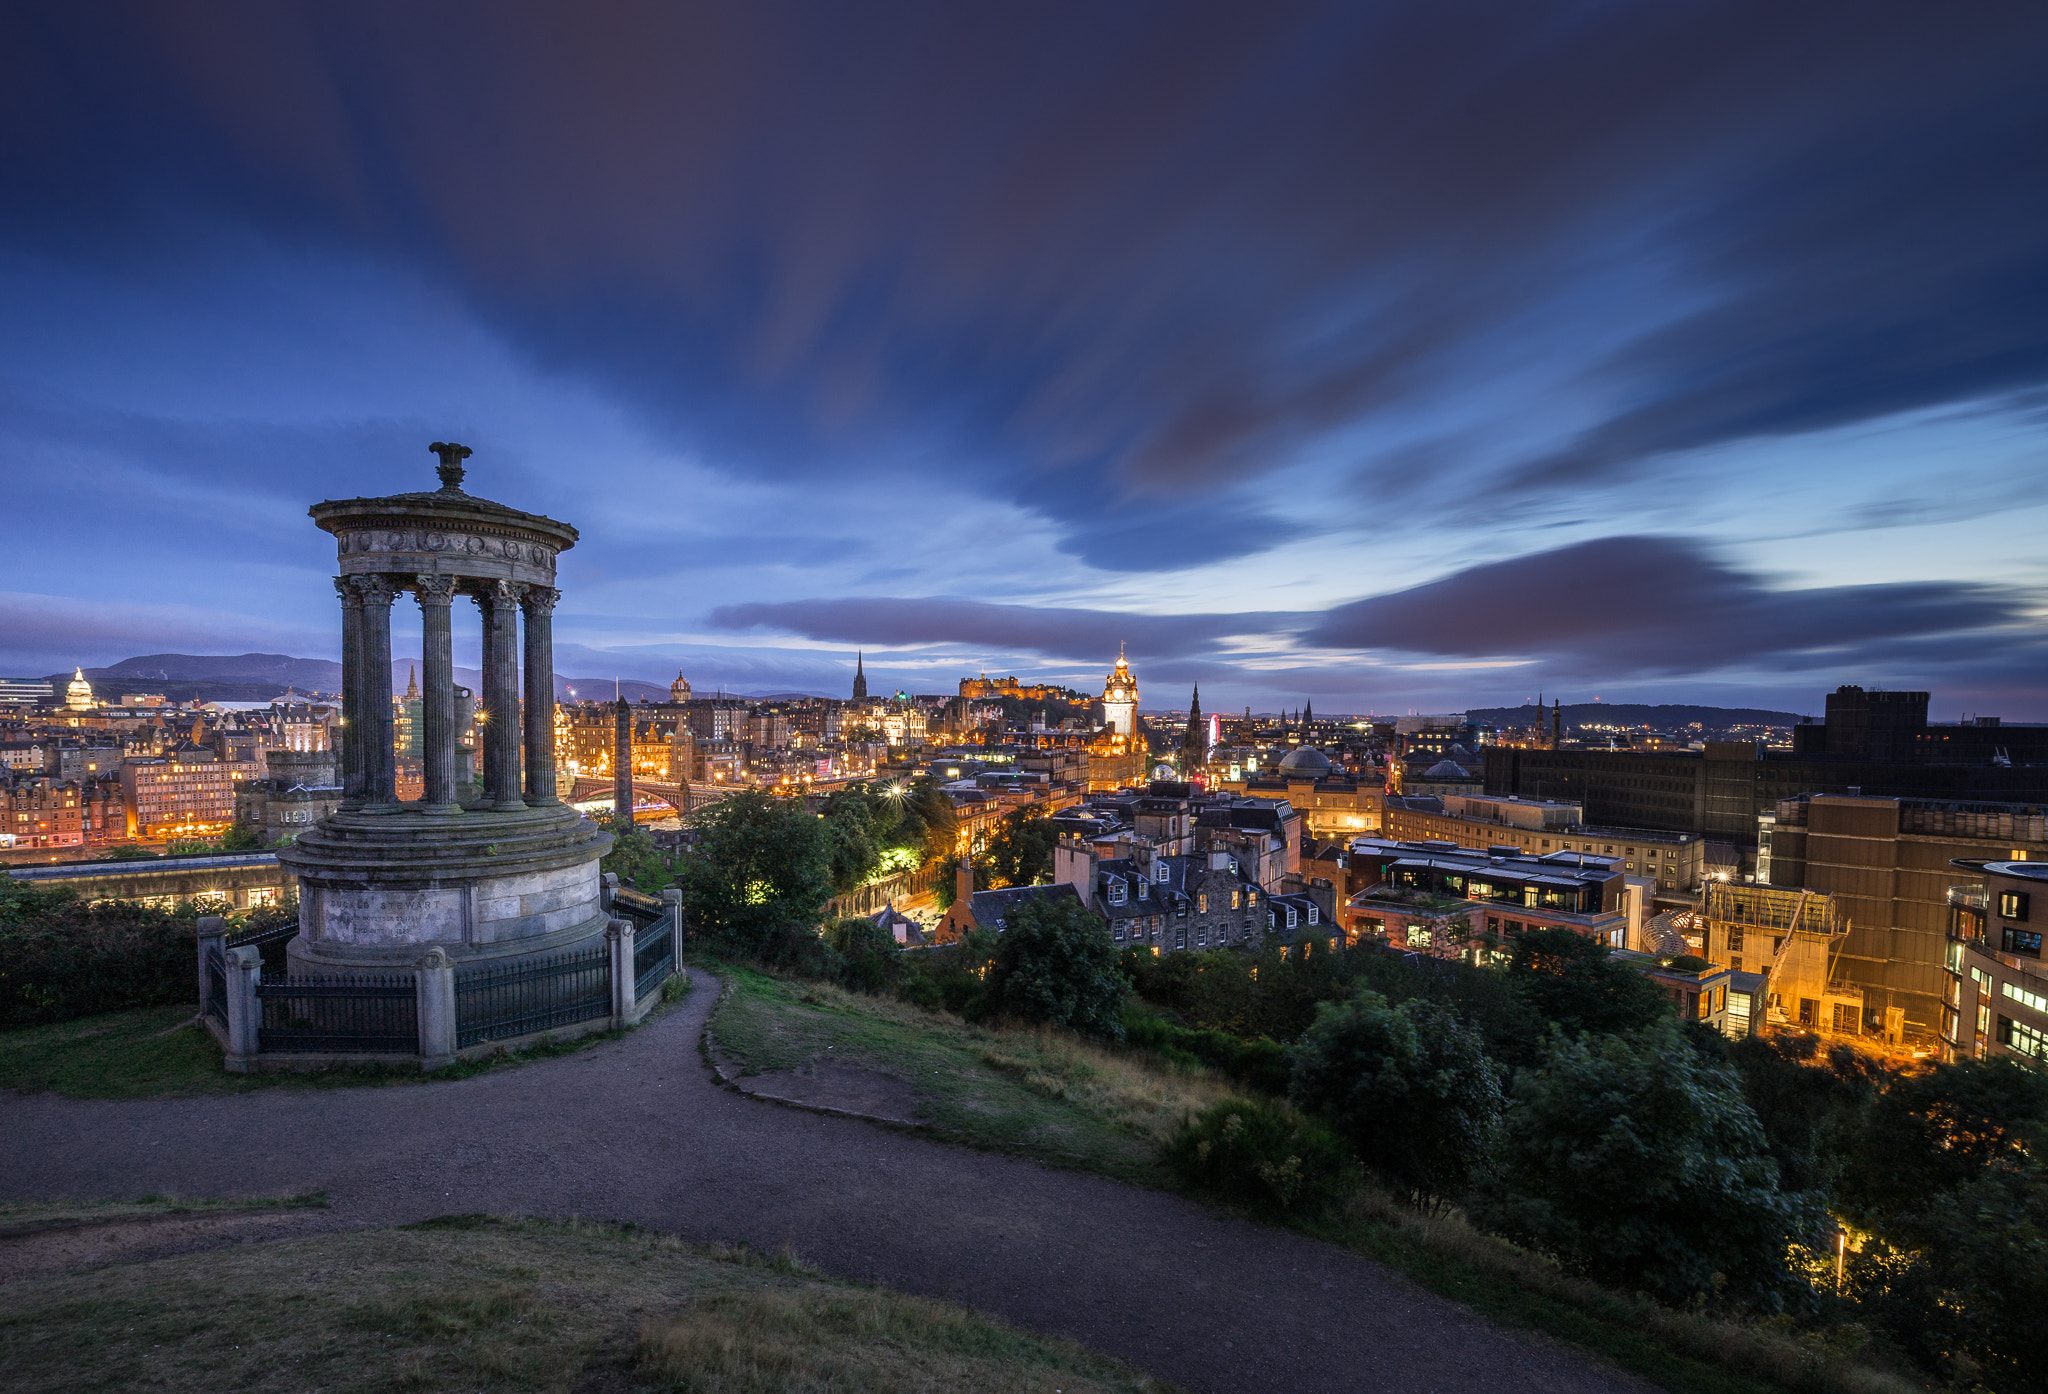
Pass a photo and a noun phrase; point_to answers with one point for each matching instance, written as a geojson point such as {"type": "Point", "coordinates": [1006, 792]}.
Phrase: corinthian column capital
{"type": "Point", "coordinates": [344, 586]}
{"type": "Point", "coordinates": [374, 590]}
{"type": "Point", "coordinates": [540, 600]}
{"type": "Point", "coordinates": [434, 590]}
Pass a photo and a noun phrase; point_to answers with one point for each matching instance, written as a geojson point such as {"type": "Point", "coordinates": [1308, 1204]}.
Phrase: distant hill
{"type": "Point", "coordinates": [258, 677]}
{"type": "Point", "coordinates": [184, 677]}
{"type": "Point", "coordinates": [1668, 717]}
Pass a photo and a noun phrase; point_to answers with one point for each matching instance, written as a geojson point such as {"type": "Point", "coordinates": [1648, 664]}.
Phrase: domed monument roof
{"type": "Point", "coordinates": [1446, 769]}
{"type": "Point", "coordinates": [1307, 762]}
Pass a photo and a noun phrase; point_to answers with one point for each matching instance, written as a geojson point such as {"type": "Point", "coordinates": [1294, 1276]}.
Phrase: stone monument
{"type": "Point", "coordinates": [510, 872]}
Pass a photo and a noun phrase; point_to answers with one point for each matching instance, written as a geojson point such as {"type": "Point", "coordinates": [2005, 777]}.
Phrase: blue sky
{"type": "Point", "coordinates": [1393, 356]}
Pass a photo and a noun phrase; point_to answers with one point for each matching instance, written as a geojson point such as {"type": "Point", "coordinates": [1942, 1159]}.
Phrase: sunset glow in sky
{"type": "Point", "coordinates": [1391, 356]}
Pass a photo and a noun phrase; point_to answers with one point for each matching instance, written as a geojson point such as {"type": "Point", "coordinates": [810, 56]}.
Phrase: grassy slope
{"type": "Point", "coordinates": [1042, 1094]}
{"type": "Point", "coordinates": [154, 1052]}
{"type": "Point", "coordinates": [509, 1305]}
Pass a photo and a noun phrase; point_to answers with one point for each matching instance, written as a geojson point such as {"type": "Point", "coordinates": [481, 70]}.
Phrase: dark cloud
{"type": "Point", "coordinates": [1615, 606]}
{"type": "Point", "coordinates": [1082, 635]}
{"type": "Point", "coordinates": [1089, 257]}
{"type": "Point", "coordinates": [1633, 604]}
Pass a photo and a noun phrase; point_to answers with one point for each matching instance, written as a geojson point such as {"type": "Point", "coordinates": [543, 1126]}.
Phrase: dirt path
{"type": "Point", "coordinates": [639, 1131]}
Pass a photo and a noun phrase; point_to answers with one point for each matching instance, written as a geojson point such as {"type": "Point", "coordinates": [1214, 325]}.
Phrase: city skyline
{"type": "Point", "coordinates": [1395, 359]}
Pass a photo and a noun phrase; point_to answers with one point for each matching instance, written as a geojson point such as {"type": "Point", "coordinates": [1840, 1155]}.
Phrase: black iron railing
{"type": "Point", "coordinates": [654, 956]}
{"type": "Point", "coordinates": [276, 934]}
{"type": "Point", "coordinates": [496, 1002]}
{"type": "Point", "coordinates": [338, 1015]}
{"type": "Point", "coordinates": [217, 985]}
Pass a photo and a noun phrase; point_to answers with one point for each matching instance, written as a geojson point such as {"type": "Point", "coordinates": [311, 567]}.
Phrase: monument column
{"type": "Point", "coordinates": [487, 749]}
{"type": "Point", "coordinates": [437, 706]}
{"type": "Point", "coordinates": [622, 760]}
{"type": "Point", "coordinates": [501, 697]}
{"type": "Point", "coordinates": [353, 783]}
{"type": "Point", "coordinates": [380, 760]}
{"type": "Point", "coordinates": [539, 605]}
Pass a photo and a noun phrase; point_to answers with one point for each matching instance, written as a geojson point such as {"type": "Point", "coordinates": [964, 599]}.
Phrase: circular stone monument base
{"type": "Point", "coordinates": [378, 887]}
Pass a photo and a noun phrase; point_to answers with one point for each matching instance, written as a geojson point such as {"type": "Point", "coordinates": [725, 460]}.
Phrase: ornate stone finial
{"type": "Point", "coordinates": [450, 468]}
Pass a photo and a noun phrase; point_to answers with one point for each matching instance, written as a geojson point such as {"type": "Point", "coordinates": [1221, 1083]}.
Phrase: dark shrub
{"type": "Point", "coordinates": [61, 958]}
{"type": "Point", "coordinates": [1409, 1087]}
{"type": "Point", "coordinates": [1637, 1163]}
{"type": "Point", "coordinates": [1572, 980]}
{"type": "Point", "coordinates": [1262, 1064]}
{"type": "Point", "coordinates": [1055, 963]}
{"type": "Point", "coordinates": [869, 959]}
{"type": "Point", "coordinates": [1263, 1154]}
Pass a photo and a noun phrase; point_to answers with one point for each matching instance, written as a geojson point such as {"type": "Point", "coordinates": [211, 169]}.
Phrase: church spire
{"type": "Point", "coordinates": [860, 676]}
{"type": "Point", "coordinates": [1194, 744]}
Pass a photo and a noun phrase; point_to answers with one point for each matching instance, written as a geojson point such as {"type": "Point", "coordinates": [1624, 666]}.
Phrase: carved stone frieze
{"type": "Point", "coordinates": [436, 542]}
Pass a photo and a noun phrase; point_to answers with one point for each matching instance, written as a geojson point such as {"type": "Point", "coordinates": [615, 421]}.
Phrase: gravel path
{"type": "Point", "coordinates": [638, 1130]}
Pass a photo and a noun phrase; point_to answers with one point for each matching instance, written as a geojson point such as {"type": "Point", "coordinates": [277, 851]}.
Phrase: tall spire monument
{"type": "Point", "coordinates": [860, 676]}
{"type": "Point", "coordinates": [1194, 744]}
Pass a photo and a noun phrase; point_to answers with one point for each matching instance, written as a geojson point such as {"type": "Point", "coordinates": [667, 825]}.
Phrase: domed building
{"type": "Point", "coordinates": [1333, 805]}
{"type": "Point", "coordinates": [1307, 763]}
{"type": "Point", "coordinates": [679, 690]}
{"type": "Point", "coordinates": [78, 694]}
{"type": "Point", "coordinates": [1445, 777]}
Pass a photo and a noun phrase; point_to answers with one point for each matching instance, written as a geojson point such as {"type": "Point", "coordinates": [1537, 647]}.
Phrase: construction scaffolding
{"type": "Point", "coordinates": [1794, 938]}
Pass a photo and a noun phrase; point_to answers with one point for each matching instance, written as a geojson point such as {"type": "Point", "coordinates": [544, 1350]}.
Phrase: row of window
{"type": "Point", "coordinates": [2018, 1036]}
{"type": "Point", "coordinates": [2036, 1000]}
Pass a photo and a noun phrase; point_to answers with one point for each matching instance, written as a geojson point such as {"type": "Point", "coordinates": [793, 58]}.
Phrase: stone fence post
{"type": "Point", "coordinates": [673, 900]}
{"type": "Point", "coordinates": [607, 885]}
{"type": "Point", "coordinates": [213, 934]}
{"type": "Point", "coordinates": [619, 935]}
{"type": "Point", "coordinates": [434, 980]}
{"type": "Point", "coordinates": [245, 1009]}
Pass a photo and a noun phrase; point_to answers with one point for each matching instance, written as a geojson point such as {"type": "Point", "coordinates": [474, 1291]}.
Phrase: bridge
{"type": "Point", "coordinates": [682, 799]}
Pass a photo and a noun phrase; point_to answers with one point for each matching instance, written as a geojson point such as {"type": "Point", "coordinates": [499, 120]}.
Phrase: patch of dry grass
{"type": "Point", "coordinates": [815, 1340]}
{"type": "Point", "coordinates": [1510, 1283]}
{"type": "Point", "coordinates": [524, 1305]}
{"type": "Point", "coordinates": [1031, 1089]}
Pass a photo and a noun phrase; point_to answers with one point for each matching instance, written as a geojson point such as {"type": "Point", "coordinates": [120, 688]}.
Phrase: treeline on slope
{"type": "Point", "coordinates": [61, 957]}
{"type": "Point", "coordinates": [1557, 1102]}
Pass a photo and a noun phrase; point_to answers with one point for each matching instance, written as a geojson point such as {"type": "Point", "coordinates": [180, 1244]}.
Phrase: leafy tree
{"type": "Point", "coordinates": [869, 957]}
{"type": "Point", "coordinates": [1802, 1097]}
{"type": "Point", "coordinates": [850, 851]}
{"type": "Point", "coordinates": [1967, 1297]}
{"type": "Point", "coordinates": [1055, 963]}
{"type": "Point", "coordinates": [130, 851]}
{"type": "Point", "coordinates": [242, 837]}
{"type": "Point", "coordinates": [760, 867]}
{"type": "Point", "coordinates": [1572, 980]}
{"type": "Point", "coordinates": [1409, 1087]}
{"type": "Point", "coordinates": [634, 856]}
{"type": "Point", "coordinates": [1020, 854]}
{"type": "Point", "coordinates": [1637, 1163]}
{"type": "Point", "coordinates": [1938, 1130]}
